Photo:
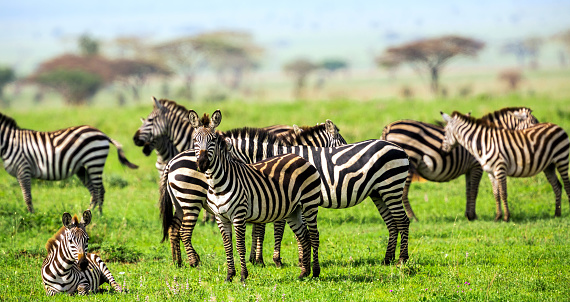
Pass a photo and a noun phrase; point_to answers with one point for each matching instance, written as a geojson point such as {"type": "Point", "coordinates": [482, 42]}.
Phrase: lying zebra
{"type": "Point", "coordinates": [68, 268]}
{"type": "Point", "coordinates": [282, 187]}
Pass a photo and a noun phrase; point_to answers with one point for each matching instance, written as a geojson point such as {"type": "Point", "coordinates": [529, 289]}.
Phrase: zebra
{"type": "Point", "coordinates": [349, 174]}
{"type": "Point", "coordinates": [282, 187]}
{"type": "Point", "coordinates": [180, 225]}
{"type": "Point", "coordinates": [68, 268]}
{"type": "Point", "coordinates": [422, 143]}
{"type": "Point", "coordinates": [167, 131]}
{"type": "Point", "coordinates": [517, 153]}
{"type": "Point", "coordinates": [57, 155]}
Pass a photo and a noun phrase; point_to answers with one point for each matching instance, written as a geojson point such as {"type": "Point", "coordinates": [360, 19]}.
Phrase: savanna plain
{"type": "Point", "coordinates": [451, 258]}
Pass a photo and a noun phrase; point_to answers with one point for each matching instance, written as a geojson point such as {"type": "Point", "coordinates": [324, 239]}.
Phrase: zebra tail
{"type": "Point", "coordinates": [165, 205]}
{"type": "Point", "coordinates": [122, 158]}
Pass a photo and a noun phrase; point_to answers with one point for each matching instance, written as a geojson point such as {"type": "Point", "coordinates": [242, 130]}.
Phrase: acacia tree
{"type": "Point", "coordinates": [431, 54]}
{"type": "Point", "coordinates": [229, 53]}
{"type": "Point", "coordinates": [523, 49]}
{"type": "Point", "coordinates": [300, 70]}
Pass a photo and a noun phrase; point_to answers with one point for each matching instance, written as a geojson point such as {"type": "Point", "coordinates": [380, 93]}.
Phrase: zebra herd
{"type": "Point", "coordinates": [280, 174]}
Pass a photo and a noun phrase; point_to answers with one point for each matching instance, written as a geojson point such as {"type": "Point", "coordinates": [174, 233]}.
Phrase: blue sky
{"type": "Point", "coordinates": [35, 30]}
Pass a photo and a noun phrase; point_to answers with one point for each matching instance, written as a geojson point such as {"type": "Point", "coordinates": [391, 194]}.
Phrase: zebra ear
{"type": "Point", "coordinates": [66, 219]}
{"type": "Point", "coordinates": [157, 104]}
{"type": "Point", "coordinates": [446, 117]}
{"type": "Point", "coordinates": [297, 129]}
{"type": "Point", "coordinates": [86, 217]}
{"type": "Point", "coordinates": [468, 114]}
{"type": "Point", "coordinates": [216, 119]}
{"type": "Point", "coordinates": [193, 118]}
{"type": "Point", "coordinates": [229, 144]}
{"type": "Point", "coordinates": [142, 120]}
{"type": "Point", "coordinates": [331, 127]}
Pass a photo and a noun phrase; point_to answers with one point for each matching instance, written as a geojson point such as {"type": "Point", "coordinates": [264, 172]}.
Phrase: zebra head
{"type": "Point", "coordinates": [321, 135]}
{"type": "Point", "coordinates": [155, 125]}
{"type": "Point", "coordinates": [449, 140]}
{"type": "Point", "coordinates": [205, 137]}
{"type": "Point", "coordinates": [75, 238]}
{"type": "Point", "coordinates": [523, 118]}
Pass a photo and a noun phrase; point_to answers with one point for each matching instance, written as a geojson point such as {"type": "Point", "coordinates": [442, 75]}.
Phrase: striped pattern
{"type": "Point", "coordinates": [68, 268]}
{"type": "Point", "coordinates": [422, 143]}
{"type": "Point", "coordinates": [517, 153]}
{"type": "Point", "coordinates": [57, 155]}
{"type": "Point", "coordinates": [282, 187]}
{"type": "Point", "coordinates": [349, 174]}
{"type": "Point", "coordinates": [257, 142]}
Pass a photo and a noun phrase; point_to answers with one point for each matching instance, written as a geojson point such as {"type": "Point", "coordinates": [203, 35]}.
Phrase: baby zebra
{"type": "Point", "coordinates": [517, 153]}
{"type": "Point", "coordinates": [281, 187]}
{"type": "Point", "coordinates": [68, 268]}
{"type": "Point", "coordinates": [57, 155]}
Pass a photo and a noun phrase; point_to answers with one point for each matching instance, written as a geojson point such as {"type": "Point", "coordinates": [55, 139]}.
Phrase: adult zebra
{"type": "Point", "coordinates": [282, 187]}
{"type": "Point", "coordinates": [422, 143]}
{"type": "Point", "coordinates": [349, 174]}
{"type": "Point", "coordinates": [258, 142]}
{"type": "Point", "coordinates": [517, 153]}
{"type": "Point", "coordinates": [167, 131]}
{"type": "Point", "coordinates": [68, 268]}
{"type": "Point", "coordinates": [57, 155]}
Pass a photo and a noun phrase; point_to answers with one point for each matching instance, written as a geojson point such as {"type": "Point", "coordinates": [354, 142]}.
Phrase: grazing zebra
{"type": "Point", "coordinates": [349, 174]}
{"type": "Point", "coordinates": [257, 142]}
{"type": "Point", "coordinates": [422, 143]}
{"type": "Point", "coordinates": [282, 187]}
{"type": "Point", "coordinates": [57, 155]}
{"type": "Point", "coordinates": [517, 153]}
{"type": "Point", "coordinates": [68, 268]}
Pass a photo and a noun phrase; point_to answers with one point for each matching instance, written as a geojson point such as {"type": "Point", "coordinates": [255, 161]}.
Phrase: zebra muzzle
{"type": "Point", "coordinates": [82, 263]}
{"type": "Point", "coordinates": [202, 161]}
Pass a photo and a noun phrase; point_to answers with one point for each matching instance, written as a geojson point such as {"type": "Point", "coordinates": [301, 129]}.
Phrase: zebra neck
{"type": "Point", "coordinates": [61, 252]}
{"type": "Point", "coordinates": [8, 139]}
{"type": "Point", "coordinates": [221, 172]}
{"type": "Point", "coordinates": [180, 134]}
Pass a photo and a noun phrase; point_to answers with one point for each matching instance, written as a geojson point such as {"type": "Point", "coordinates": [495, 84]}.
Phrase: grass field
{"type": "Point", "coordinates": [451, 259]}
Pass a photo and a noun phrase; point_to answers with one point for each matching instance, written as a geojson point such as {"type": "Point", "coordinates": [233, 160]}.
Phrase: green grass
{"type": "Point", "coordinates": [451, 259]}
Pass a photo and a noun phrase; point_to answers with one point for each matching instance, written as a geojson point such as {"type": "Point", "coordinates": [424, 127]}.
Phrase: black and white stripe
{"type": "Point", "coordinates": [68, 268]}
{"type": "Point", "coordinates": [422, 143]}
{"type": "Point", "coordinates": [257, 142]}
{"type": "Point", "coordinates": [349, 174]}
{"type": "Point", "coordinates": [57, 155]}
{"type": "Point", "coordinates": [517, 153]}
{"type": "Point", "coordinates": [282, 187]}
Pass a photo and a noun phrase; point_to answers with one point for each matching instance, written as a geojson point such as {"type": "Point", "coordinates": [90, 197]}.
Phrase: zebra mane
{"type": "Point", "coordinates": [308, 131]}
{"type": "Point", "coordinates": [205, 120]}
{"type": "Point", "coordinates": [51, 243]}
{"type": "Point", "coordinates": [248, 132]}
{"type": "Point", "coordinates": [174, 107]}
{"type": "Point", "coordinates": [479, 121]}
{"type": "Point", "coordinates": [8, 121]}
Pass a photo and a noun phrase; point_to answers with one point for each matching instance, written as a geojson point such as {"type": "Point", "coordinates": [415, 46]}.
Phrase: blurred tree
{"type": "Point", "coordinates": [432, 54]}
{"type": "Point", "coordinates": [131, 47]}
{"type": "Point", "coordinates": [88, 46]}
{"type": "Point", "coordinates": [327, 68]}
{"type": "Point", "coordinates": [229, 52]}
{"type": "Point", "coordinates": [299, 69]}
{"type": "Point", "coordinates": [564, 38]}
{"type": "Point", "coordinates": [512, 77]}
{"type": "Point", "coordinates": [182, 57]}
{"type": "Point", "coordinates": [76, 86]}
{"type": "Point", "coordinates": [134, 73]}
{"type": "Point", "coordinates": [523, 49]}
{"type": "Point", "coordinates": [389, 62]}
{"type": "Point", "coordinates": [7, 75]}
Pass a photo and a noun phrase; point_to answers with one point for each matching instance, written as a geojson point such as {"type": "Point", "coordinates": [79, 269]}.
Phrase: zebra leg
{"type": "Point", "coordinates": [550, 173]}
{"type": "Point", "coordinates": [188, 223]}
{"type": "Point", "coordinates": [278, 229]}
{"type": "Point", "coordinates": [257, 236]}
{"type": "Point", "coordinates": [296, 224]}
{"type": "Point", "coordinates": [310, 218]}
{"type": "Point", "coordinates": [496, 194]}
{"type": "Point", "coordinates": [92, 179]}
{"type": "Point", "coordinates": [405, 199]}
{"type": "Point", "coordinates": [472, 181]}
{"type": "Point", "coordinates": [25, 181]}
{"type": "Point", "coordinates": [239, 227]}
{"type": "Point", "coordinates": [392, 229]}
{"type": "Point", "coordinates": [501, 176]}
{"type": "Point", "coordinates": [107, 276]}
{"type": "Point", "coordinates": [563, 171]}
{"type": "Point", "coordinates": [174, 234]}
{"type": "Point", "coordinates": [226, 230]}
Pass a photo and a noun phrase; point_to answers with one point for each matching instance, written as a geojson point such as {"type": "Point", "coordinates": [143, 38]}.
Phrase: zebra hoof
{"type": "Point", "coordinates": [277, 261]}
{"type": "Point", "coordinates": [388, 261]}
{"type": "Point", "coordinates": [316, 271]}
{"type": "Point", "coordinates": [244, 275]}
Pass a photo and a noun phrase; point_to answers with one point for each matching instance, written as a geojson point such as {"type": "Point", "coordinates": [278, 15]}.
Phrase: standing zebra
{"type": "Point", "coordinates": [57, 155]}
{"type": "Point", "coordinates": [517, 153]}
{"type": "Point", "coordinates": [167, 131]}
{"type": "Point", "coordinates": [282, 187]}
{"type": "Point", "coordinates": [422, 143]}
{"type": "Point", "coordinates": [257, 142]}
{"type": "Point", "coordinates": [349, 174]}
{"type": "Point", "coordinates": [68, 268]}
